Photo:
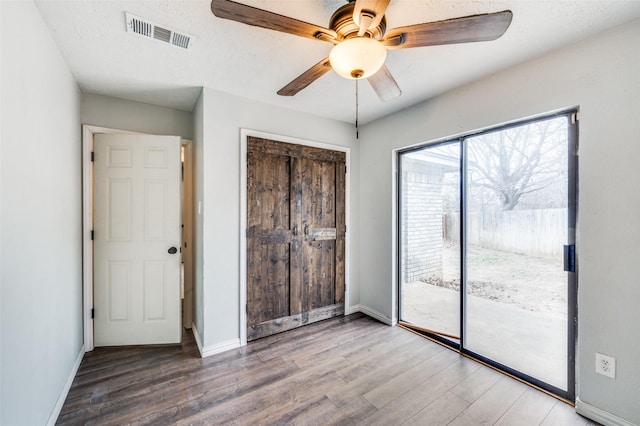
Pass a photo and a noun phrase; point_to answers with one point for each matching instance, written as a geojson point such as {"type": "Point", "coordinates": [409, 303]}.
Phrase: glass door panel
{"type": "Point", "coordinates": [430, 239]}
{"type": "Point", "coordinates": [516, 226]}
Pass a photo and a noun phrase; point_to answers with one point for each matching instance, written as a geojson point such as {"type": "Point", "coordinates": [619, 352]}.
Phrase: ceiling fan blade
{"type": "Point", "coordinates": [250, 15]}
{"type": "Point", "coordinates": [489, 26]}
{"type": "Point", "coordinates": [306, 78]}
{"type": "Point", "coordinates": [368, 13]}
{"type": "Point", "coordinates": [384, 84]}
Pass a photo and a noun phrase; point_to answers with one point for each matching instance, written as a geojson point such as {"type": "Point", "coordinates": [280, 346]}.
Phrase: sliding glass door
{"type": "Point", "coordinates": [430, 243]}
{"type": "Point", "coordinates": [486, 234]}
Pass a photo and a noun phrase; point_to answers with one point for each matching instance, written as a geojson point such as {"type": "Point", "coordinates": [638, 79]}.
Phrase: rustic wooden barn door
{"type": "Point", "coordinates": [295, 236]}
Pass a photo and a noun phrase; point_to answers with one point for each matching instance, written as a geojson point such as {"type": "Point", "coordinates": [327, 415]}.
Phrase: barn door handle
{"type": "Point", "coordinates": [306, 229]}
{"type": "Point", "coordinates": [295, 229]}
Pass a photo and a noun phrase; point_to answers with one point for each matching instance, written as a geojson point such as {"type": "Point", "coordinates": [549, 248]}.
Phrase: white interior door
{"type": "Point", "coordinates": [136, 239]}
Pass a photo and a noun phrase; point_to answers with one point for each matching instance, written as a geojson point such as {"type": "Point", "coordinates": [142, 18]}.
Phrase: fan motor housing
{"type": "Point", "coordinates": [345, 27]}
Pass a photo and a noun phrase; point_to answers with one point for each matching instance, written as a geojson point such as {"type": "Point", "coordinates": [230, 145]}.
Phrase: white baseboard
{"type": "Point", "coordinates": [65, 390]}
{"type": "Point", "coordinates": [371, 312]}
{"type": "Point", "coordinates": [220, 347]}
{"type": "Point", "coordinates": [351, 309]}
{"type": "Point", "coordinates": [206, 351]}
{"type": "Point", "coordinates": [197, 337]}
{"type": "Point", "coordinates": [599, 415]}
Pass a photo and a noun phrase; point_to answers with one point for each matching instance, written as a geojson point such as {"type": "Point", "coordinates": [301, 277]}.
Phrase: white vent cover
{"type": "Point", "coordinates": [149, 29]}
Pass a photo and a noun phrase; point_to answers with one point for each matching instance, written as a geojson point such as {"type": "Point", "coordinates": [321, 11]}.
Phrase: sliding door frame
{"type": "Point", "coordinates": [571, 115]}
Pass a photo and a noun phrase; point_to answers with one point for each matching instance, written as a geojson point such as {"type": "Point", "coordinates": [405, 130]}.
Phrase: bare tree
{"type": "Point", "coordinates": [519, 160]}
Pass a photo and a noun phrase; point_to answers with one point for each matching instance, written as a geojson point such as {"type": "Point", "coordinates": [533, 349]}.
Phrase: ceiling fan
{"type": "Point", "coordinates": [358, 31]}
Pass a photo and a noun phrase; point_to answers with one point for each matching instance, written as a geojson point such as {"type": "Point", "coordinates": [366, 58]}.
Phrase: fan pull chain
{"type": "Point", "coordinates": [357, 133]}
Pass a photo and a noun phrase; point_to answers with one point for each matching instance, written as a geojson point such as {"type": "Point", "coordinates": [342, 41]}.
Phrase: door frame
{"type": "Point", "coordinates": [88, 131]}
{"type": "Point", "coordinates": [244, 135]}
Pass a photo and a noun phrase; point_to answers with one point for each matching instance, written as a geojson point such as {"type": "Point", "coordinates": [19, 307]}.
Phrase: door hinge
{"type": "Point", "coordinates": [570, 258]}
{"type": "Point", "coordinates": [92, 155]}
{"type": "Point", "coordinates": [92, 313]}
{"type": "Point", "coordinates": [575, 118]}
{"type": "Point", "coordinates": [92, 235]}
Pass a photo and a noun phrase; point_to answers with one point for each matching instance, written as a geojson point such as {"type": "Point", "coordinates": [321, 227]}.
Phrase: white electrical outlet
{"type": "Point", "coordinates": [606, 365]}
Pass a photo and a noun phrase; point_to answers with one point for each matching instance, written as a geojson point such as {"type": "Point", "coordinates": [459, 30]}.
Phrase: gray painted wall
{"type": "Point", "coordinates": [198, 170]}
{"type": "Point", "coordinates": [1, 133]}
{"type": "Point", "coordinates": [123, 114]}
{"type": "Point", "coordinates": [223, 117]}
{"type": "Point", "coordinates": [601, 75]}
{"type": "Point", "coordinates": [41, 219]}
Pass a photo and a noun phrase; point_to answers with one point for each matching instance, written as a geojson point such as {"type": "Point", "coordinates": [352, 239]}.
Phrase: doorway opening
{"type": "Point", "coordinates": [186, 238]}
{"type": "Point", "coordinates": [487, 247]}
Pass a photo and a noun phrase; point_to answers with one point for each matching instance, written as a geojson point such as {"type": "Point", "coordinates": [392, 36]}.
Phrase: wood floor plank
{"type": "Point", "coordinates": [350, 370]}
{"type": "Point", "coordinates": [407, 350]}
{"type": "Point", "coordinates": [336, 346]}
{"type": "Point", "coordinates": [414, 377]}
{"type": "Point", "coordinates": [267, 401]}
{"type": "Point", "coordinates": [440, 412]}
{"type": "Point", "coordinates": [563, 415]}
{"type": "Point", "coordinates": [410, 403]}
{"type": "Point", "coordinates": [273, 396]}
{"type": "Point", "coordinates": [492, 404]}
{"type": "Point", "coordinates": [363, 349]}
{"type": "Point", "coordinates": [377, 373]}
{"type": "Point", "coordinates": [280, 344]}
{"type": "Point", "coordinates": [291, 405]}
{"type": "Point", "coordinates": [184, 396]}
{"type": "Point", "coordinates": [209, 396]}
{"type": "Point", "coordinates": [300, 414]}
{"type": "Point", "coordinates": [476, 384]}
{"type": "Point", "coordinates": [531, 409]}
{"type": "Point", "coordinates": [328, 414]}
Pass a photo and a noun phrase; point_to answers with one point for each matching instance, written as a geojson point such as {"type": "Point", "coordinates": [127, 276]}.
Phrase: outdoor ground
{"type": "Point", "coordinates": [536, 284]}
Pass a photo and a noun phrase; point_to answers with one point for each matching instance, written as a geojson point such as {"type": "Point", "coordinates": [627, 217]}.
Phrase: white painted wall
{"type": "Point", "coordinates": [40, 224]}
{"type": "Point", "coordinates": [219, 177]}
{"type": "Point", "coordinates": [122, 114]}
{"type": "Point", "coordinates": [602, 76]}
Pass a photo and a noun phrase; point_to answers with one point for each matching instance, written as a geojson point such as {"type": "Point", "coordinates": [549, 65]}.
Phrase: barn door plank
{"type": "Point", "coordinates": [296, 244]}
{"type": "Point", "coordinates": [319, 212]}
{"type": "Point", "coordinates": [341, 231]}
{"type": "Point", "coordinates": [268, 237]}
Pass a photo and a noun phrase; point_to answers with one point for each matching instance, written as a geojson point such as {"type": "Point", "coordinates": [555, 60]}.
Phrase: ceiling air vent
{"type": "Point", "coordinates": [149, 29]}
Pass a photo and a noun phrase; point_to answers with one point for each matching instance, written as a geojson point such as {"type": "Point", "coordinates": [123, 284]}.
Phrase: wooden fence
{"type": "Point", "coordinates": [540, 232]}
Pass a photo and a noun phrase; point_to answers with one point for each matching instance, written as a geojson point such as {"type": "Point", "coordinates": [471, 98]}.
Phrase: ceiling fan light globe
{"type": "Point", "coordinates": [357, 57]}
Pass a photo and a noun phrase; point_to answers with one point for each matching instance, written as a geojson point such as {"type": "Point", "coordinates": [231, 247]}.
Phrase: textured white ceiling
{"type": "Point", "coordinates": [254, 62]}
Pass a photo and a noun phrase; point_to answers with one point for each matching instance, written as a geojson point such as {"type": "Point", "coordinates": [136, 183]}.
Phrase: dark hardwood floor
{"type": "Point", "coordinates": [347, 370]}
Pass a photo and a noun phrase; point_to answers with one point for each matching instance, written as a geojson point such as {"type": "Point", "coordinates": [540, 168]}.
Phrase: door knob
{"type": "Point", "coordinates": [172, 250]}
